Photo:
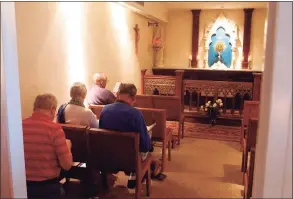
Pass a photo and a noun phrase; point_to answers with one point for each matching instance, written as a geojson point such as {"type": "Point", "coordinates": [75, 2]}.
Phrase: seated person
{"type": "Point", "coordinates": [122, 116]}
{"type": "Point", "coordinates": [98, 94]}
{"type": "Point", "coordinates": [75, 112]}
{"type": "Point", "coordinates": [46, 150]}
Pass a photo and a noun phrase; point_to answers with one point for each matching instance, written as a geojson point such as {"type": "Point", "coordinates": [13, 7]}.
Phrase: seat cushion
{"type": "Point", "coordinates": [173, 125]}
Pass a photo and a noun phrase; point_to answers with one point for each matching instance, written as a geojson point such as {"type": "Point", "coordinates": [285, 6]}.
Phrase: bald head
{"type": "Point", "coordinates": [100, 79]}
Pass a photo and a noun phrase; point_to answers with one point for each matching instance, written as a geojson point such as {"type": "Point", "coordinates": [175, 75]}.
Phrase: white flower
{"type": "Point", "coordinates": [209, 102]}
{"type": "Point", "coordinates": [221, 104]}
{"type": "Point", "coordinates": [219, 100]}
{"type": "Point", "coordinates": [205, 109]}
{"type": "Point", "coordinates": [201, 107]}
{"type": "Point", "coordinates": [215, 105]}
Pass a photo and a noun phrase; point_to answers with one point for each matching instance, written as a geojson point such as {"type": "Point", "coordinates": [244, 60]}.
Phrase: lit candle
{"type": "Point", "coordinates": [190, 57]}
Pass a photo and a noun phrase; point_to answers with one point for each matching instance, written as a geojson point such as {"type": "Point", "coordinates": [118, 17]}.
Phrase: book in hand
{"type": "Point", "coordinates": [149, 128]}
{"type": "Point", "coordinates": [116, 87]}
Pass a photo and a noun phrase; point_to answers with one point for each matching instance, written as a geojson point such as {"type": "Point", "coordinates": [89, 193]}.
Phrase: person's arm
{"type": "Point", "coordinates": [62, 149]}
{"type": "Point", "coordinates": [144, 139]}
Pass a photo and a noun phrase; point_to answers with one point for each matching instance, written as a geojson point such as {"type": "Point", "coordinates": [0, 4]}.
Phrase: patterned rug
{"type": "Point", "coordinates": [204, 131]}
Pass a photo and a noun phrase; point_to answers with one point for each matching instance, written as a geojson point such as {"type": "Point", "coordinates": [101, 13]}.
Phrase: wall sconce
{"type": "Point", "coordinates": [190, 59]}
{"type": "Point", "coordinates": [249, 60]}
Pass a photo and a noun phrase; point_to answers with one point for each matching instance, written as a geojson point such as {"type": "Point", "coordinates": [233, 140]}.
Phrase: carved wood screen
{"type": "Point", "coordinates": [233, 94]}
{"type": "Point", "coordinates": [163, 85]}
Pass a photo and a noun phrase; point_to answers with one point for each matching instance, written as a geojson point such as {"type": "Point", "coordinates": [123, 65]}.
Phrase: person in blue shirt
{"type": "Point", "coordinates": [122, 116]}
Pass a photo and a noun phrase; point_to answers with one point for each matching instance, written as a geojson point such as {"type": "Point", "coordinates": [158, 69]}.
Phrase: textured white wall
{"type": "Point", "coordinates": [59, 43]}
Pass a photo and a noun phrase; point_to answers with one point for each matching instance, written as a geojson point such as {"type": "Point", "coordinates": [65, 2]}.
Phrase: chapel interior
{"type": "Point", "coordinates": [180, 56]}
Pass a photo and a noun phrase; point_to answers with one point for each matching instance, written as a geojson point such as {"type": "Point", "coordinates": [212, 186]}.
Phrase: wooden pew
{"type": "Point", "coordinates": [248, 175]}
{"type": "Point", "coordinates": [166, 85]}
{"type": "Point", "coordinates": [249, 141]}
{"type": "Point", "coordinates": [160, 133]}
{"type": "Point", "coordinates": [171, 104]}
{"type": "Point", "coordinates": [111, 151]}
{"type": "Point", "coordinates": [97, 109]}
{"type": "Point", "coordinates": [251, 110]}
{"type": "Point", "coordinates": [78, 136]}
{"type": "Point", "coordinates": [249, 150]}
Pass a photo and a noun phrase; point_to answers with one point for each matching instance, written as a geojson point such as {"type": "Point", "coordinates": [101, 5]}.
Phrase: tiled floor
{"type": "Point", "coordinates": [199, 169]}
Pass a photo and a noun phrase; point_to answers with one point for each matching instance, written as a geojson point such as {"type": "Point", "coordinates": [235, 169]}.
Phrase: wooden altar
{"type": "Point", "coordinates": [197, 86]}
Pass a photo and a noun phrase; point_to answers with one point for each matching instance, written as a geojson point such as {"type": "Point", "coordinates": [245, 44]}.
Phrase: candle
{"type": "Point", "coordinates": [190, 57]}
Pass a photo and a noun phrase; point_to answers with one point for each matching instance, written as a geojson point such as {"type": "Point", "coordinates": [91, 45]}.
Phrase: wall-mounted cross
{"type": "Point", "coordinates": [137, 37]}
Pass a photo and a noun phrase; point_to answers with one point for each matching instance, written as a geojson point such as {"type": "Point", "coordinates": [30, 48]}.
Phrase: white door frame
{"type": "Point", "coordinates": [13, 178]}
{"type": "Point", "coordinates": [273, 166]}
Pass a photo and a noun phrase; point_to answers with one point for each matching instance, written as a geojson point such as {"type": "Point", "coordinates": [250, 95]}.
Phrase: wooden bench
{"type": "Point", "coordinates": [247, 167]}
{"type": "Point", "coordinates": [160, 133]}
{"type": "Point", "coordinates": [165, 85]}
{"type": "Point", "coordinates": [171, 104]}
{"type": "Point", "coordinates": [97, 109]}
{"type": "Point", "coordinates": [111, 151]}
{"type": "Point", "coordinates": [78, 136]}
{"type": "Point", "coordinates": [251, 110]}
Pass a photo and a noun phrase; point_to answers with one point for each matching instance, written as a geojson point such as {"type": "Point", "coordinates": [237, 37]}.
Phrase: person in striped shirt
{"type": "Point", "coordinates": [45, 148]}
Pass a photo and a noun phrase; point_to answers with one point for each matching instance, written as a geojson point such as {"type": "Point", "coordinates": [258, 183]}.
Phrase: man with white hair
{"type": "Point", "coordinates": [45, 148]}
{"type": "Point", "coordinates": [99, 95]}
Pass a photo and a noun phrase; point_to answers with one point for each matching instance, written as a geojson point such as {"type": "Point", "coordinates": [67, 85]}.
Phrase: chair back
{"type": "Point", "coordinates": [171, 104]}
{"type": "Point", "coordinates": [97, 109]}
{"type": "Point", "coordinates": [251, 110]}
{"type": "Point", "coordinates": [113, 151]}
{"type": "Point", "coordinates": [144, 101]}
{"type": "Point", "coordinates": [78, 136]}
{"type": "Point", "coordinates": [157, 116]}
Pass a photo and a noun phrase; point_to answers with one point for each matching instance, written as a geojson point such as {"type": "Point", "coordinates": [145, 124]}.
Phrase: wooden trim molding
{"type": "Point", "coordinates": [246, 36]}
{"type": "Point", "coordinates": [257, 77]}
{"type": "Point", "coordinates": [195, 36]}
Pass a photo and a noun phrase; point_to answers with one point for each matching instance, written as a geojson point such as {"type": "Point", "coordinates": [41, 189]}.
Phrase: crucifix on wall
{"type": "Point", "coordinates": [137, 37]}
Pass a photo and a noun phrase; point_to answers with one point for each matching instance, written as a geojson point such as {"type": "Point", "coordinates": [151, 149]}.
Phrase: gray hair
{"type": "Point", "coordinates": [129, 89]}
{"type": "Point", "coordinates": [99, 77]}
{"type": "Point", "coordinates": [78, 91]}
{"type": "Point", "coordinates": [45, 101]}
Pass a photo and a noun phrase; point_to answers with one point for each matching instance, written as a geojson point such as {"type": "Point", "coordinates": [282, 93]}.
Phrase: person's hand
{"type": "Point", "coordinates": [68, 143]}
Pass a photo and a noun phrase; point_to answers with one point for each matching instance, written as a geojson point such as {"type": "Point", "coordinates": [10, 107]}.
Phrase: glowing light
{"type": "Point", "coordinates": [73, 13]}
{"type": "Point", "coordinates": [124, 38]}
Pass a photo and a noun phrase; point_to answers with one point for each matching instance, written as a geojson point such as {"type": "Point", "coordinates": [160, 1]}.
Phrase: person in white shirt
{"type": "Point", "coordinates": [75, 112]}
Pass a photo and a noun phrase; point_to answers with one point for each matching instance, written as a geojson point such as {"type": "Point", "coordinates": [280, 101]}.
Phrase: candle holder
{"type": "Point", "coordinates": [190, 59]}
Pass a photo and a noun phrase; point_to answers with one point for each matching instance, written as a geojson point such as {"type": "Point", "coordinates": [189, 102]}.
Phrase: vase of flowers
{"type": "Point", "coordinates": [213, 110]}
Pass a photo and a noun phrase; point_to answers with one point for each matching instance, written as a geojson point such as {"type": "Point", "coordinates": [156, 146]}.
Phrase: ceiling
{"type": "Point", "coordinates": [213, 5]}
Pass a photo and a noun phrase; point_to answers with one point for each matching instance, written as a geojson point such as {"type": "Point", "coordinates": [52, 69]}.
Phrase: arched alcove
{"type": "Point", "coordinates": [230, 31]}
{"type": "Point", "coordinates": [225, 56]}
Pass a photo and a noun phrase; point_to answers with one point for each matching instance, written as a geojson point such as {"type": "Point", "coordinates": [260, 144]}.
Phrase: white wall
{"type": "Point", "coordinates": [273, 170]}
{"type": "Point", "coordinates": [178, 34]}
{"type": "Point", "coordinates": [59, 43]}
{"type": "Point", "coordinates": [13, 184]}
{"type": "Point", "coordinates": [178, 38]}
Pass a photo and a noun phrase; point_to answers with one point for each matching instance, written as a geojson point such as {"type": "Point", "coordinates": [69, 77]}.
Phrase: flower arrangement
{"type": "Point", "coordinates": [213, 110]}
{"type": "Point", "coordinates": [157, 43]}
